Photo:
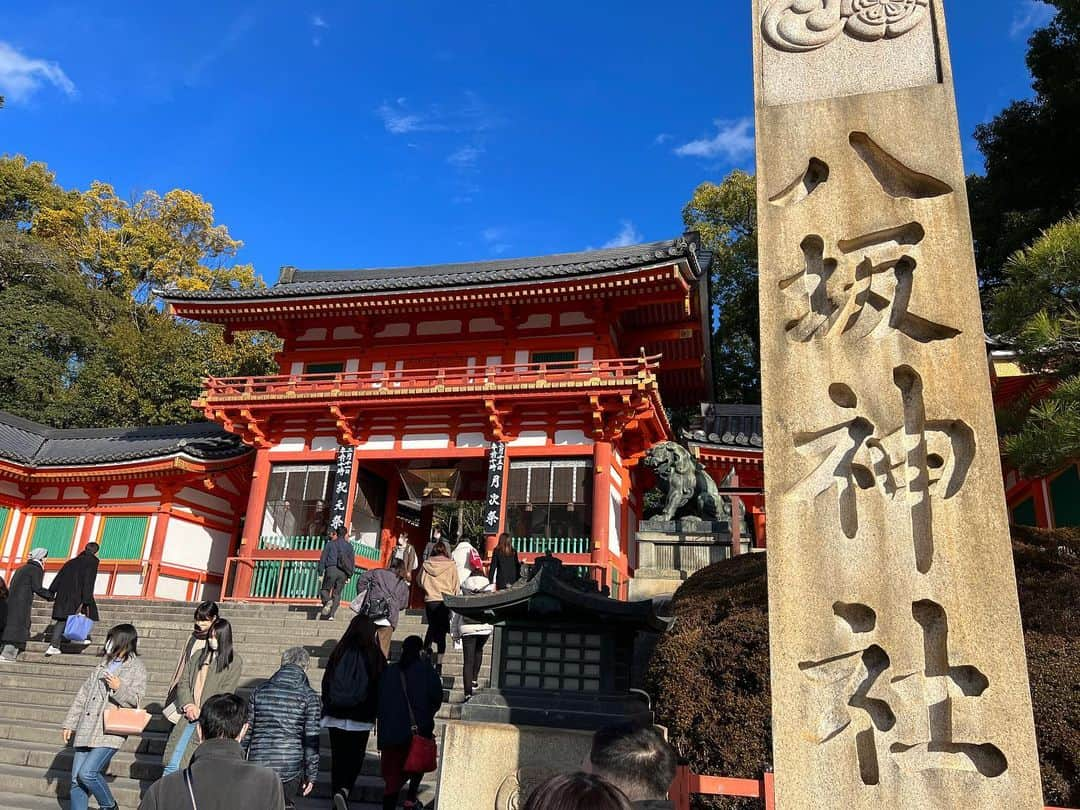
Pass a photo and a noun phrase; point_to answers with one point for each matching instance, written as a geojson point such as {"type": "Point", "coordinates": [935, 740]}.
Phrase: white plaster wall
{"type": "Point", "coordinates": [521, 357]}
{"type": "Point", "coordinates": [171, 588]}
{"type": "Point", "coordinates": [74, 493]}
{"type": "Point", "coordinates": [118, 491]}
{"type": "Point", "coordinates": [565, 437]}
{"type": "Point", "coordinates": [290, 444]}
{"type": "Point", "coordinates": [312, 334]}
{"type": "Point", "coordinates": [205, 499]}
{"type": "Point", "coordinates": [324, 443]}
{"type": "Point", "coordinates": [585, 353]}
{"type": "Point", "coordinates": [195, 546]}
{"type": "Point", "coordinates": [493, 360]}
{"type": "Point", "coordinates": [297, 368]}
{"type": "Point", "coordinates": [470, 440]}
{"type": "Point", "coordinates": [10, 547]}
{"type": "Point", "coordinates": [530, 438]}
{"type": "Point", "coordinates": [9, 488]}
{"type": "Point", "coordinates": [148, 543]}
{"type": "Point", "coordinates": [614, 522]}
{"type": "Point", "coordinates": [128, 585]}
{"type": "Point", "coordinates": [424, 441]}
{"type": "Point", "coordinates": [438, 328]}
{"type": "Point", "coordinates": [352, 364]}
{"type": "Point", "coordinates": [146, 491]}
{"type": "Point", "coordinates": [380, 442]}
{"type": "Point", "coordinates": [47, 494]}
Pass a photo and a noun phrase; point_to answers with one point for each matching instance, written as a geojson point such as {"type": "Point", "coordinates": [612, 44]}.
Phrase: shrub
{"type": "Point", "coordinates": [710, 675]}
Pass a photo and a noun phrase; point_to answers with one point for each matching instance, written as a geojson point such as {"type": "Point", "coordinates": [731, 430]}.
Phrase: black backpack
{"type": "Point", "coordinates": [342, 693]}
{"type": "Point", "coordinates": [375, 607]}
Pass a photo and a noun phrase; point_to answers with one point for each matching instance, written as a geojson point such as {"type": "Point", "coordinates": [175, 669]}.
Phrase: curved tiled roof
{"type": "Point", "coordinates": [732, 426]}
{"type": "Point", "coordinates": [295, 282]}
{"type": "Point", "coordinates": [36, 445]}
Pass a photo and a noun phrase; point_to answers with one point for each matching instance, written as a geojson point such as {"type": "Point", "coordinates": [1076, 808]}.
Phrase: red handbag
{"type": "Point", "coordinates": [423, 756]}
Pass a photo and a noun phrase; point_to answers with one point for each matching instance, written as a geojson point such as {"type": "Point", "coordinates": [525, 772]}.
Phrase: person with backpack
{"type": "Point", "coordinates": [350, 699]}
{"type": "Point", "coordinates": [336, 566]}
{"type": "Point", "coordinates": [385, 594]}
{"type": "Point", "coordinates": [472, 633]}
{"type": "Point", "coordinates": [410, 694]}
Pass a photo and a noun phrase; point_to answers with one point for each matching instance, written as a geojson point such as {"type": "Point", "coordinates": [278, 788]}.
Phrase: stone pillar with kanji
{"type": "Point", "coordinates": [899, 678]}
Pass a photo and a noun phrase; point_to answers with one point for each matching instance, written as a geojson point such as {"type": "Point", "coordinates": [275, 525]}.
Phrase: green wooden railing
{"type": "Point", "coordinates": [298, 579]}
{"type": "Point", "coordinates": [556, 545]}
{"type": "Point", "coordinates": [272, 542]}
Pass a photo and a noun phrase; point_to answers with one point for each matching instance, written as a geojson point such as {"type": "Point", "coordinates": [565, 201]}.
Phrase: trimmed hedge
{"type": "Point", "coordinates": [710, 675]}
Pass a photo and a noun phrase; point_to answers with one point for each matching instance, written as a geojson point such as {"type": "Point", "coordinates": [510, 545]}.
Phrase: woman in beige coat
{"type": "Point", "coordinates": [438, 578]}
{"type": "Point", "coordinates": [215, 671]}
{"type": "Point", "coordinates": [119, 681]}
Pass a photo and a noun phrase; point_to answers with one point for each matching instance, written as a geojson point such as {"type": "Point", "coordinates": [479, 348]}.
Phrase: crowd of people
{"type": "Point", "coordinates": [226, 752]}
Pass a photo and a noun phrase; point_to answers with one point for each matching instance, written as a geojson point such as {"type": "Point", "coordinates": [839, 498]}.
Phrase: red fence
{"type": "Point", "coordinates": [688, 783]}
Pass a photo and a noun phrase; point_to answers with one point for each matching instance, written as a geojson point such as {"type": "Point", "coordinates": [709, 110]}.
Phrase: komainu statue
{"type": "Point", "coordinates": [688, 490]}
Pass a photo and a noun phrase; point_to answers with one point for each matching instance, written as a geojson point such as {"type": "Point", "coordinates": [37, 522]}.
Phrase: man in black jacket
{"type": "Point", "coordinates": [73, 588]}
{"type": "Point", "coordinates": [336, 565]}
{"type": "Point", "coordinates": [638, 761]}
{"type": "Point", "coordinates": [220, 778]}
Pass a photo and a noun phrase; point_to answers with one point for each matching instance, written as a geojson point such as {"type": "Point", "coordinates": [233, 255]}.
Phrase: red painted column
{"type": "Point", "coordinates": [88, 520]}
{"type": "Point", "coordinates": [388, 537]}
{"type": "Point", "coordinates": [249, 542]}
{"type": "Point", "coordinates": [14, 557]}
{"type": "Point", "coordinates": [157, 544]}
{"type": "Point", "coordinates": [600, 510]}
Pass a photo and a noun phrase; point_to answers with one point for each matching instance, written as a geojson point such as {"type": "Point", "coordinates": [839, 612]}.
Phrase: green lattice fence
{"type": "Point", "coordinates": [556, 545]}
{"type": "Point", "coordinates": [298, 579]}
{"type": "Point", "coordinates": [54, 534]}
{"type": "Point", "coordinates": [122, 538]}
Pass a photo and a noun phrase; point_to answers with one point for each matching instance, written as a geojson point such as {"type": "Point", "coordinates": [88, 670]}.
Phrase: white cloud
{"type": "Point", "coordinates": [733, 141]}
{"type": "Point", "coordinates": [471, 114]}
{"type": "Point", "coordinates": [662, 138]}
{"type": "Point", "coordinates": [465, 157]}
{"type": "Point", "coordinates": [627, 235]}
{"type": "Point", "coordinates": [1029, 15]}
{"type": "Point", "coordinates": [319, 24]}
{"type": "Point", "coordinates": [496, 240]}
{"type": "Point", "coordinates": [21, 76]}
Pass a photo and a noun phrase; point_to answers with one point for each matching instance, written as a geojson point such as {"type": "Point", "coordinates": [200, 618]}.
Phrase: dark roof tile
{"type": "Point", "coordinates": [37, 445]}
{"type": "Point", "coordinates": [295, 283]}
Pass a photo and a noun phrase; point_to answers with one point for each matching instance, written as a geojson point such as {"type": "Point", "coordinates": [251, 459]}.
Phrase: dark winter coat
{"type": "Point", "coordinates": [505, 569]}
{"type": "Point", "coordinates": [284, 716]}
{"type": "Point", "coordinates": [386, 584]}
{"type": "Point", "coordinates": [338, 553]}
{"type": "Point", "coordinates": [221, 780]}
{"type": "Point", "coordinates": [355, 674]}
{"type": "Point", "coordinates": [425, 694]}
{"type": "Point", "coordinates": [73, 587]}
{"type": "Point", "coordinates": [26, 582]}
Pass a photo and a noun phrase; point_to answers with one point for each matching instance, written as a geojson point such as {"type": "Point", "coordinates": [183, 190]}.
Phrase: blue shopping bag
{"type": "Point", "coordinates": [78, 627]}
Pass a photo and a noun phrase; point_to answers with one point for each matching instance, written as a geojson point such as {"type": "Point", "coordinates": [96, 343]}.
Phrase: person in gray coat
{"type": "Point", "coordinates": [119, 681]}
{"type": "Point", "coordinates": [220, 778]}
{"type": "Point", "coordinates": [25, 585]}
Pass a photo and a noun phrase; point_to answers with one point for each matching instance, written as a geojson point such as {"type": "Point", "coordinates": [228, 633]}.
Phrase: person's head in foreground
{"type": "Point", "coordinates": [576, 791]}
{"type": "Point", "coordinates": [634, 758]}
{"type": "Point", "coordinates": [224, 717]}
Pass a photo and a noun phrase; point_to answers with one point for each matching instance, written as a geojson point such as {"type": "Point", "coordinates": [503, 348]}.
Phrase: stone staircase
{"type": "Point", "coordinates": [36, 691]}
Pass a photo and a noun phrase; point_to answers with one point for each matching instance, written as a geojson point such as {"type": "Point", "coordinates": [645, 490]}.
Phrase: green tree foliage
{"type": "Point", "coordinates": [1038, 310]}
{"type": "Point", "coordinates": [725, 215]}
{"type": "Point", "coordinates": [1032, 175]}
{"type": "Point", "coordinates": [84, 341]}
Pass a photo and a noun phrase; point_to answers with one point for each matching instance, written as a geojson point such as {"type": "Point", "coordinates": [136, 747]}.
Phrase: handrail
{"type": "Point", "coordinates": [435, 378]}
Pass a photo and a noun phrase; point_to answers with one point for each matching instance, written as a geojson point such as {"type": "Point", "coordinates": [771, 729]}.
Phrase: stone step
{"type": "Point", "coordinates": [54, 782]}
{"type": "Point", "coordinates": [14, 801]}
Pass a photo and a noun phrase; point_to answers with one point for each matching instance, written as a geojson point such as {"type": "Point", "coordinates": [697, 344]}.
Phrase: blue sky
{"type": "Point", "coordinates": [390, 132]}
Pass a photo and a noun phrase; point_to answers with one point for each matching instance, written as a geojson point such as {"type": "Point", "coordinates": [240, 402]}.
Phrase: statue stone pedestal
{"type": "Point", "coordinates": [670, 551]}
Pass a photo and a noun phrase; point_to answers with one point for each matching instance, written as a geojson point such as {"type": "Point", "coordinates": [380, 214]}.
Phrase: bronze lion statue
{"type": "Point", "coordinates": [688, 490]}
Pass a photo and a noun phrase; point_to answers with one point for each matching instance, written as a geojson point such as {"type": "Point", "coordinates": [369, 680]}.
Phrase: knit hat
{"type": "Point", "coordinates": [38, 555]}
